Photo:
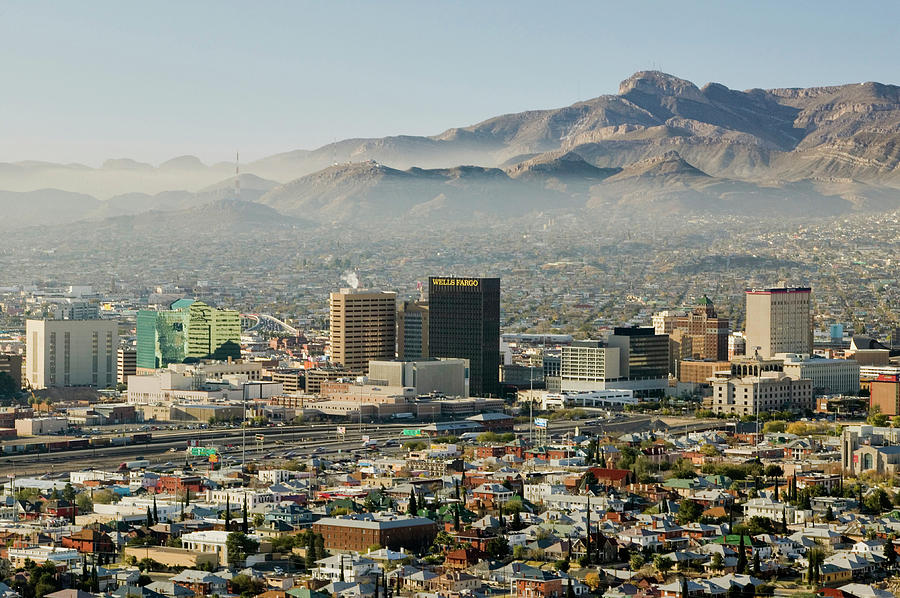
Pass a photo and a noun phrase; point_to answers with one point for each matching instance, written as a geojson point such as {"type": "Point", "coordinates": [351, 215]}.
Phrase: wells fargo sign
{"type": "Point", "coordinates": [454, 282]}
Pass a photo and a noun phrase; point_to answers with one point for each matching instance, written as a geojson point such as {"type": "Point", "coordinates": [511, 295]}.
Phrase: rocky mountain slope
{"type": "Point", "coordinates": [661, 141]}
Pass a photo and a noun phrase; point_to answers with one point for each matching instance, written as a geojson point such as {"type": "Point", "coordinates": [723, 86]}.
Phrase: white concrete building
{"type": "Point", "coordinates": [778, 321]}
{"type": "Point", "coordinates": [354, 567]}
{"type": "Point", "coordinates": [209, 541]}
{"type": "Point", "coordinates": [41, 554]}
{"type": "Point", "coordinates": [766, 507]}
{"type": "Point", "coordinates": [586, 366]}
{"type": "Point", "coordinates": [610, 398]}
{"type": "Point", "coordinates": [829, 376]}
{"type": "Point", "coordinates": [771, 391]}
{"type": "Point", "coordinates": [71, 353]}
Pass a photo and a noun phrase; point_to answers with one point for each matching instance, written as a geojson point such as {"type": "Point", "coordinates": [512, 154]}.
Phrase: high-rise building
{"type": "Point", "coordinates": [708, 332]}
{"type": "Point", "coordinates": [11, 364]}
{"type": "Point", "coordinates": [71, 353]}
{"type": "Point", "coordinates": [189, 330]}
{"type": "Point", "coordinates": [412, 330]}
{"type": "Point", "coordinates": [643, 353]}
{"type": "Point", "coordinates": [464, 322]}
{"type": "Point", "coordinates": [126, 364]}
{"type": "Point", "coordinates": [587, 366]}
{"type": "Point", "coordinates": [778, 321]}
{"type": "Point", "coordinates": [363, 327]}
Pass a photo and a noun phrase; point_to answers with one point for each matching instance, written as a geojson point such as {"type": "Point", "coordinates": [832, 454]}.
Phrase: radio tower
{"type": "Point", "coordinates": [237, 175]}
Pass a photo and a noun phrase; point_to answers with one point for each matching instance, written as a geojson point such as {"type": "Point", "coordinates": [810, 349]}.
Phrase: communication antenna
{"type": "Point", "coordinates": [237, 175]}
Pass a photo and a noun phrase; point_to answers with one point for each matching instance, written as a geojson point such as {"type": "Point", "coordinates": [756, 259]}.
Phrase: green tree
{"type": "Point", "coordinates": [877, 501]}
{"type": "Point", "coordinates": [663, 564]}
{"type": "Point", "coordinates": [742, 557]}
{"type": "Point", "coordinates": [716, 562]}
{"type": "Point", "coordinates": [636, 561]}
{"type": "Point", "coordinates": [689, 511]}
{"type": "Point", "coordinates": [239, 545]}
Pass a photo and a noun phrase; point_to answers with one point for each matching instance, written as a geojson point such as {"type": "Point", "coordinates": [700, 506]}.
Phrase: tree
{"type": "Point", "coordinates": [84, 503]}
{"type": "Point", "coordinates": [239, 546]}
{"type": "Point", "coordinates": [149, 517]}
{"type": "Point", "coordinates": [412, 509]}
{"type": "Point", "coordinates": [244, 524]}
{"type": "Point", "coordinates": [662, 564]}
{"type": "Point", "coordinates": [716, 562]}
{"type": "Point", "coordinates": [877, 501]}
{"type": "Point", "coordinates": [155, 511]}
{"type": "Point", "coordinates": [497, 548]}
{"type": "Point", "coordinates": [636, 561]}
{"type": "Point", "coordinates": [876, 417]}
{"type": "Point", "coordinates": [773, 471]}
{"type": "Point", "coordinates": [742, 557]}
{"type": "Point", "coordinates": [310, 550]}
{"type": "Point", "coordinates": [756, 567]}
{"type": "Point", "coordinates": [689, 511]}
{"type": "Point", "coordinates": [592, 580]}
{"type": "Point", "coordinates": [227, 513]}
{"type": "Point", "coordinates": [775, 426]}
{"type": "Point", "coordinates": [895, 421]}
{"type": "Point", "coordinates": [829, 514]}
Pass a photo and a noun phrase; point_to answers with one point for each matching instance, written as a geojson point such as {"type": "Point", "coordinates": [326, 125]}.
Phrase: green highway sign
{"type": "Point", "coordinates": [201, 451]}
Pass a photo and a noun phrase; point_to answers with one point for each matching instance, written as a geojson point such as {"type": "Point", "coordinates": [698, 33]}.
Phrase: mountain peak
{"type": "Point", "coordinates": [659, 84]}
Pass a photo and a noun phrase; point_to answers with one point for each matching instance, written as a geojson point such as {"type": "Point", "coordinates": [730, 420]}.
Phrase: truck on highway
{"type": "Point", "coordinates": [137, 464]}
{"type": "Point", "coordinates": [370, 444]}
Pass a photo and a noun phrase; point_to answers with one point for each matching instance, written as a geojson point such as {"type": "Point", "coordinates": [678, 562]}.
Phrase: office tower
{"type": "Point", "coordinates": [412, 330]}
{"type": "Point", "coordinates": [778, 321]}
{"type": "Point", "coordinates": [71, 353]}
{"type": "Point", "coordinates": [363, 327]}
{"type": "Point", "coordinates": [11, 364]}
{"type": "Point", "coordinates": [588, 365]}
{"type": "Point", "coordinates": [643, 354]}
{"type": "Point", "coordinates": [126, 364]}
{"type": "Point", "coordinates": [708, 332]}
{"type": "Point", "coordinates": [464, 322]}
{"type": "Point", "coordinates": [189, 330]}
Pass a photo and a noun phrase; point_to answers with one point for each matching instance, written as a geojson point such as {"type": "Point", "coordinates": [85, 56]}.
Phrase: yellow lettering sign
{"type": "Point", "coordinates": [455, 282]}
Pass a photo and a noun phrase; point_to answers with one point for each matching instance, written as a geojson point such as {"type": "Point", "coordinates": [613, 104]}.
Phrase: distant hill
{"type": "Point", "coordinates": [371, 192]}
{"type": "Point", "coordinates": [660, 141]}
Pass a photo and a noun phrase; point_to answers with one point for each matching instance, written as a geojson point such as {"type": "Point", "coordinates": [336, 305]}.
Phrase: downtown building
{"type": "Point", "coordinates": [71, 353]}
{"type": "Point", "coordinates": [464, 323]}
{"type": "Point", "coordinates": [768, 391]}
{"type": "Point", "coordinates": [778, 321]}
{"type": "Point", "coordinates": [412, 330]}
{"type": "Point", "coordinates": [189, 331]}
{"type": "Point", "coordinates": [363, 328]}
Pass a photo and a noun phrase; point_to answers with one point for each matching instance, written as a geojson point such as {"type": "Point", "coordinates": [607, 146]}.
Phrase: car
{"type": "Point", "coordinates": [319, 450]}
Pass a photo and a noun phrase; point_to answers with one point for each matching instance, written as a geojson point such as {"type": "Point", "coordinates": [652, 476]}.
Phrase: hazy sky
{"type": "Point", "coordinates": [85, 81]}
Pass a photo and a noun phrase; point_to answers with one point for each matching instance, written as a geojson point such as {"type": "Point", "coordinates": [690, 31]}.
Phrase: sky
{"type": "Point", "coordinates": [87, 81]}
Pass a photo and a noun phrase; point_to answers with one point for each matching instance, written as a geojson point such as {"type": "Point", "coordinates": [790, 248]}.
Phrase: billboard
{"type": "Point", "coordinates": [342, 430]}
{"type": "Point", "coordinates": [540, 422]}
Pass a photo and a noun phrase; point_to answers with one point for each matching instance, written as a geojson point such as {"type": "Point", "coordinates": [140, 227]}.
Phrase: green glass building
{"type": "Point", "coordinates": [188, 331]}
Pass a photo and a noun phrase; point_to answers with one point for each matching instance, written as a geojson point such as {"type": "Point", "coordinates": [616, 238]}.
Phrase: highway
{"type": "Point", "coordinates": [167, 449]}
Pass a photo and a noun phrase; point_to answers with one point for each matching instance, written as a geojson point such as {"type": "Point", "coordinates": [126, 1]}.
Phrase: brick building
{"type": "Point", "coordinates": [359, 532]}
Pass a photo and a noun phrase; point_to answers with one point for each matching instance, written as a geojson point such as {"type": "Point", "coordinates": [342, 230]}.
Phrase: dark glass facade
{"type": "Point", "coordinates": [465, 324]}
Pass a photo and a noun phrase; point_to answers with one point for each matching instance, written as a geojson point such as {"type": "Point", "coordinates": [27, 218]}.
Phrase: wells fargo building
{"type": "Point", "coordinates": [465, 323]}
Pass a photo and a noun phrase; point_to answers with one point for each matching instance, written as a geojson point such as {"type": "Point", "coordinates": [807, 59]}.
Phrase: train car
{"type": "Point", "coordinates": [142, 438]}
{"type": "Point", "coordinates": [99, 441]}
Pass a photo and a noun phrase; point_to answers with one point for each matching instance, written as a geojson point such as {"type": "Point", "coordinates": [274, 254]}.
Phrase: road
{"type": "Point", "coordinates": [168, 446]}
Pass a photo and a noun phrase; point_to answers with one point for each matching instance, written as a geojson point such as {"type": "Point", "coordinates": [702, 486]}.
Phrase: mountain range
{"type": "Point", "coordinates": [660, 143]}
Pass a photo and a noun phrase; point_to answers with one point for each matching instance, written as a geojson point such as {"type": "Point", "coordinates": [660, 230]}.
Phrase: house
{"type": "Point", "coordinates": [202, 583]}
{"type": "Point", "coordinates": [462, 558]}
{"type": "Point", "coordinates": [531, 582]}
{"type": "Point", "coordinates": [171, 589]}
{"type": "Point", "coordinates": [346, 567]}
{"type": "Point", "coordinates": [89, 541]}
{"type": "Point", "coordinates": [492, 496]}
